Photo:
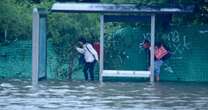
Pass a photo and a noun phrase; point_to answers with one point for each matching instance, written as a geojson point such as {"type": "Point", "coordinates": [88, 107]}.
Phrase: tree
{"type": "Point", "coordinates": [15, 21]}
{"type": "Point", "coordinates": [65, 35]}
{"type": "Point", "coordinates": [89, 1]}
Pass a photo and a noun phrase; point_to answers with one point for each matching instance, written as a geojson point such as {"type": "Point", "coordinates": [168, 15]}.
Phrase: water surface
{"type": "Point", "coordinates": [18, 94]}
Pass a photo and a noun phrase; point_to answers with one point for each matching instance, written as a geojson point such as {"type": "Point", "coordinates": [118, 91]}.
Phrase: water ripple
{"type": "Point", "coordinates": [60, 95]}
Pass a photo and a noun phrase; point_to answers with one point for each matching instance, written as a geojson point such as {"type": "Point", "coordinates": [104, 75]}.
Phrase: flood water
{"type": "Point", "coordinates": [18, 94]}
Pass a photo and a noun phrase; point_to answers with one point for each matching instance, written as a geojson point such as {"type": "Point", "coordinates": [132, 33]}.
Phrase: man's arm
{"type": "Point", "coordinates": [80, 50]}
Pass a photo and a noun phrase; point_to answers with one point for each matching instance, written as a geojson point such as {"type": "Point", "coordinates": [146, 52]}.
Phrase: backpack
{"type": "Point", "coordinates": [81, 59]}
{"type": "Point", "coordinates": [96, 46]}
{"type": "Point", "coordinates": [162, 53]}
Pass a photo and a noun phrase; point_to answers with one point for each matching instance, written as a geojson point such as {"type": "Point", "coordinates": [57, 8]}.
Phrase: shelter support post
{"type": "Point", "coordinates": [35, 47]}
{"type": "Point", "coordinates": [101, 47]}
{"type": "Point", "coordinates": [39, 46]}
{"type": "Point", "coordinates": [152, 48]}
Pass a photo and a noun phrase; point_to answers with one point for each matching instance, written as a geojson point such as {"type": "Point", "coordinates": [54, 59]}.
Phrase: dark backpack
{"type": "Point", "coordinates": [81, 59]}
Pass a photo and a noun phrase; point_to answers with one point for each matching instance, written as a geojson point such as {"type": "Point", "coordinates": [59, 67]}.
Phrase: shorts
{"type": "Point", "coordinates": [157, 65]}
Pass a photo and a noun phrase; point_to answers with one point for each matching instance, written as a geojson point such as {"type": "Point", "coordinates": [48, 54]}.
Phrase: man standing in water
{"type": "Point", "coordinates": [90, 57]}
{"type": "Point", "coordinates": [160, 55]}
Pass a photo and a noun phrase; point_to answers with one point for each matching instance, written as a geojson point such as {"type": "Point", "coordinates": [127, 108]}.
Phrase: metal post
{"type": "Point", "coordinates": [152, 48]}
{"type": "Point", "coordinates": [42, 44]}
{"type": "Point", "coordinates": [39, 56]}
{"type": "Point", "coordinates": [101, 47]}
{"type": "Point", "coordinates": [35, 47]}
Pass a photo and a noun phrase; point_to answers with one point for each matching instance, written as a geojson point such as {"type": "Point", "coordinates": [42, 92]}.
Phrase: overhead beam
{"type": "Point", "coordinates": [117, 8]}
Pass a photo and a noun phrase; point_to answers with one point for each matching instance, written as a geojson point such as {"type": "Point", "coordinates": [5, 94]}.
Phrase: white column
{"type": "Point", "coordinates": [35, 47]}
{"type": "Point", "coordinates": [101, 47]}
{"type": "Point", "coordinates": [152, 47]}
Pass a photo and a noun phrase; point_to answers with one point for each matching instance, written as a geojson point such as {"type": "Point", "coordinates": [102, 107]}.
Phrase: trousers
{"type": "Point", "coordinates": [89, 70]}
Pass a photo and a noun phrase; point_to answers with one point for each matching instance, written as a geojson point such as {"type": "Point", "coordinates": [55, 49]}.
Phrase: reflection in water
{"type": "Point", "coordinates": [77, 95]}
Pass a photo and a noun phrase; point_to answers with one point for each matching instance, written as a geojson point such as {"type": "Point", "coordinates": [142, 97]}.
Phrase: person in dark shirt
{"type": "Point", "coordinates": [146, 46]}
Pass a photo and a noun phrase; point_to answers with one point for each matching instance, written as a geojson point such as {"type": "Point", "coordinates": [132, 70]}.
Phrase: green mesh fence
{"type": "Point", "coordinates": [187, 44]}
{"type": "Point", "coordinates": [63, 61]}
{"type": "Point", "coordinates": [189, 61]}
{"type": "Point", "coordinates": [16, 60]}
{"type": "Point", "coordinates": [122, 51]}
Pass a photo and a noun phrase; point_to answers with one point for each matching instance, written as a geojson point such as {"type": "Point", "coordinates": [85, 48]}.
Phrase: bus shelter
{"type": "Point", "coordinates": [39, 42]}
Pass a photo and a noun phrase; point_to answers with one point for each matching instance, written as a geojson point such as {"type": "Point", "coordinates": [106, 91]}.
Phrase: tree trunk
{"type": "Point", "coordinates": [70, 68]}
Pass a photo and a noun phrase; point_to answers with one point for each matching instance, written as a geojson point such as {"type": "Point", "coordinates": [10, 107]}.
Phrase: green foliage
{"type": "Point", "coordinates": [64, 36]}
{"type": "Point", "coordinates": [89, 1]}
{"type": "Point", "coordinates": [15, 21]}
